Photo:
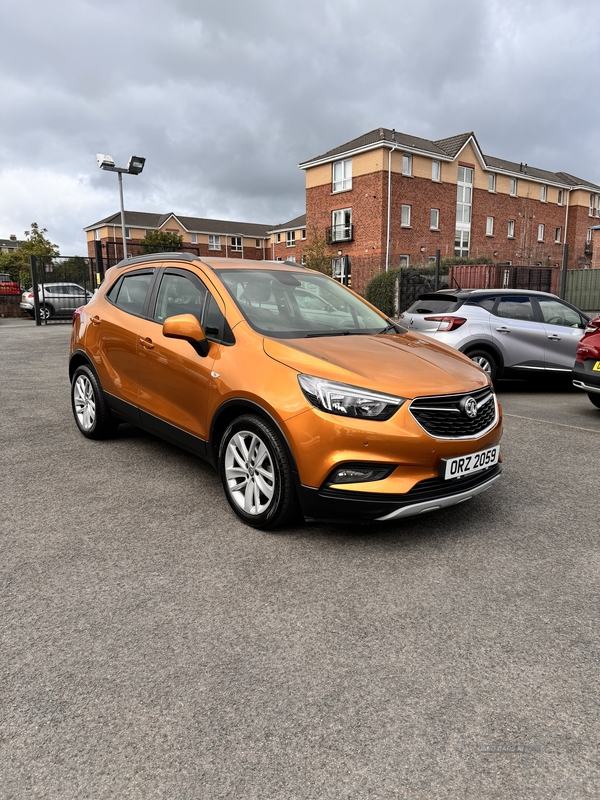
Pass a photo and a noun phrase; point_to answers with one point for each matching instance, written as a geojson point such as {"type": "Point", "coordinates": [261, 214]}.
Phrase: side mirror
{"type": "Point", "coordinates": [186, 326]}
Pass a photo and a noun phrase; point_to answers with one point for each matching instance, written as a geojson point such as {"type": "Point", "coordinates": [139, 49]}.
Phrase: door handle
{"type": "Point", "coordinates": [147, 343]}
{"type": "Point", "coordinates": [554, 338]}
{"type": "Point", "coordinates": [504, 329]}
{"type": "Point", "coordinates": [96, 320]}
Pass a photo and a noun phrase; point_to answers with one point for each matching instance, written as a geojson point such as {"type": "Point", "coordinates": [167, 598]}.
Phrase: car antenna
{"type": "Point", "coordinates": [459, 287]}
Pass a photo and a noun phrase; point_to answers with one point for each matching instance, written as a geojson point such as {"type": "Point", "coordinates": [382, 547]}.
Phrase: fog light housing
{"type": "Point", "coordinates": [359, 473]}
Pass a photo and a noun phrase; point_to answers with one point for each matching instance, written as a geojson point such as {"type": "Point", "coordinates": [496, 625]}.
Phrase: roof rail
{"type": "Point", "coordinates": [158, 257]}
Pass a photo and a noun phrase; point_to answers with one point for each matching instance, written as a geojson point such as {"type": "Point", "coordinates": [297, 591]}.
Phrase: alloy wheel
{"type": "Point", "coordinates": [249, 472]}
{"type": "Point", "coordinates": [84, 402]}
{"type": "Point", "coordinates": [484, 363]}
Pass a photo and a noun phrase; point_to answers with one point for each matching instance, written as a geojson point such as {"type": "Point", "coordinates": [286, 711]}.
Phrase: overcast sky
{"type": "Point", "coordinates": [226, 98]}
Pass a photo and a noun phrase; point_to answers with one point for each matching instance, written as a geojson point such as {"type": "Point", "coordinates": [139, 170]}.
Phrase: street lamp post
{"type": "Point", "coordinates": [135, 166]}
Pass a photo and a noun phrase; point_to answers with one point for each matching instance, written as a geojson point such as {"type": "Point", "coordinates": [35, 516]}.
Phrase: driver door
{"type": "Point", "coordinates": [173, 379]}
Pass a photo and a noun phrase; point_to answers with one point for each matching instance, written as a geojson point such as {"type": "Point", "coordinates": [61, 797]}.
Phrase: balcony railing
{"type": "Point", "coordinates": [339, 233]}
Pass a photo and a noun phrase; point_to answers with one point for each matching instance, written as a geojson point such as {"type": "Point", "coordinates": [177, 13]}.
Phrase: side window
{"type": "Point", "coordinates": [179, 295]}
{"type": "Point", "coordinates": [132, 292]}
{"type": "Point", "coordinates": [555, 313]}
{"type": "Point", "coordinates": [484, 302]}
{"type": "Point", "coordinates": [114, 290]}
{"type": "Point", "coordinates": [515, 308]}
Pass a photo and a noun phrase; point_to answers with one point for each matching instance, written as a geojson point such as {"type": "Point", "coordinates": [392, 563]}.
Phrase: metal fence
{"type": "Point", "coordinates": [504, 276]}
{"type": "Point", "coordinates": [583, 289]}
{"type": "Point", "coordinates": [107, 254]}
{"type": "Point", "coordinates": [63, 284]}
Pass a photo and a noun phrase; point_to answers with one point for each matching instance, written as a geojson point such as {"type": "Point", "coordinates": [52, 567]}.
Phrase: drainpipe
{"type": "Point", "coordinates": [389, 208]}
{"type": "Point", "coordinates": [567, 215]}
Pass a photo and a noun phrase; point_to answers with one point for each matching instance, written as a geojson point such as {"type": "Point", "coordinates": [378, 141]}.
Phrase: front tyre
{"type": "Point", "coordinates": [594, 399]}
{"type": "Point", "coordinates": [256, 473]}
{"type": "Point", "coordinates": [91, 413]}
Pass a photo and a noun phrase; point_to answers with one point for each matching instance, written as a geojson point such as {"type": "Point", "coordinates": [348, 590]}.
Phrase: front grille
{"type": "Point", "coordinates": [444, 416]}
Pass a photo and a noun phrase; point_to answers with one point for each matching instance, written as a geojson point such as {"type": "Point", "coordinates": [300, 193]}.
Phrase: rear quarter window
{"type": "Point", "coordinates": [435, 304]}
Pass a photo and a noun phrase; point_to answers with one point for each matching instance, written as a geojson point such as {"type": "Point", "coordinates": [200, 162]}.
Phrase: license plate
{"type": "Point", "coordinates": [596, 366]}
{"type": "Point", "coordinates": [474, 462]}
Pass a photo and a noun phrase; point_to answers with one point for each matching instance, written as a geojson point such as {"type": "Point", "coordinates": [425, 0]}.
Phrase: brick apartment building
{"type": "Point", "coordinates": [445, 195]}
{"type": "Point", "coordinates": [390, 199]}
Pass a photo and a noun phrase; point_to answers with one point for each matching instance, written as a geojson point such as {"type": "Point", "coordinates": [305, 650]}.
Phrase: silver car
{"type": "Point", "coordinates": [502, 329]}
{"type": "Point", "coordinates": [56, 299]}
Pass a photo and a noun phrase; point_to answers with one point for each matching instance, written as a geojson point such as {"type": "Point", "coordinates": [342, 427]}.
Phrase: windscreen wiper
{"type": "Point", "coordinates": [392, 327]}
{"type": "Point", "coordinates": [328, 333]}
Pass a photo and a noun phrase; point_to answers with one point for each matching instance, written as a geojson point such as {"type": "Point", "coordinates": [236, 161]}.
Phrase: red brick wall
{"type": "Point", "coordinates": [282, 251]}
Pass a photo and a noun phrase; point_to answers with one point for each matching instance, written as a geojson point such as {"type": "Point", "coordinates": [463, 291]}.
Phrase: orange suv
{"type": "Point", "coordinates": [303, 396]}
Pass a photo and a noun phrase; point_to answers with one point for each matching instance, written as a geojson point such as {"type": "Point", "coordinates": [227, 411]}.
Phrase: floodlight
{"type": "Point", "coordinates": [136, 165]}
{"type": "Point", "coordinates": [104, 161]}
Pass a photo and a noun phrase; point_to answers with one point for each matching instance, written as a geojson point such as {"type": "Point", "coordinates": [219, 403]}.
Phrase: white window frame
{"type": "Point", "coordinates": [194, 237]}
{"type": "Point", "coordinates": [236, 244]}
{"type": "Point", "coordinates": [436, 171]}
{"type": "Point", "coordinates": [510, 234]}
{"type": "Point", "coordinates": [341, 175]}
{"type": "Point", "coordinates": [303, 233]}
{"type": "Point", "coordinates": [291, 258]}
{"type": "Point", "coordinates": [492, 182]}
{"type": "Point", "coordinates": [489, 226]}
{"type": "Point", "coordinates": [598, 205]}
{"type": "Point", "coordinates": [557, 235]}
{"type": "Point", "coordinates": [214, 241]}
{"type": "Point", "coordinates": [257, 244]}
{"type": "Point", "coordinates": [290, 238]}
{"type": "Point", "coordinates": [303, 258]}
{"type": "Point", "coordinates": [405, 216]}
{"type": "Point", "coordinates": [97, 234]}
{"type": "Point", "coordinates": [434, 219]}
{"type": "Point", "coordinates": [404, 261]}
{"type": "Point", "coordinates": [278, 237]}
{"type": "Point", "coordinates": [128, 233]}
{"type": "Point", "coordinates": [407, 164]}
{"type": "Point", "coordinates": [514, 187]}
{"type": "Point", "coordinates": [541, 231]}
{"type": "Point", "coordinates": [559, 199]}
{"type": "Point", "coordinates": [543, 193]}
{"type": "Point", "coordinates": [341, 218]}
{"type": "Point", "coordinates": [592, 204]}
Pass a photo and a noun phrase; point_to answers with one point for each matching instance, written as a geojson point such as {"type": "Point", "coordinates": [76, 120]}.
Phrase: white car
{"type": "Point", "coordinates": [502, 329]}
{"type": "Point", "coordinates": [56, 299]}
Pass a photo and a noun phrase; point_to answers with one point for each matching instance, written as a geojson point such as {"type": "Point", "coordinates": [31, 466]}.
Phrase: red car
{"type": "Point", "coordinates": [586, 372]}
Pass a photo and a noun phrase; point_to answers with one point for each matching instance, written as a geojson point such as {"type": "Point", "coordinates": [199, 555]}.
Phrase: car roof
{"type": "Point", "coordinates": [469, 292]}
{"type": "Point", "coordinates": [212, 263]}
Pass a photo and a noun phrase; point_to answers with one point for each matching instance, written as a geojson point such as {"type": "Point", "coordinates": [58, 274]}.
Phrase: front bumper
{"type": "Point", "coordinates": [428, 495]}
{"type": "Point", "coordinates": [584, 378]}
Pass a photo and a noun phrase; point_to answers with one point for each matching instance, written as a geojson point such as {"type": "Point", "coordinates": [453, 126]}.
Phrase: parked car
{"type": "Point", "coordinates": [350, 417]}
{"type": "Point", "coordinates": [56, 299]}
{"type": "Point", "coordinates": [8, 285]}
{"type": "Point", "coordinates": [586, 372]}
{"type": "Point", "coordinates": [502, 330]}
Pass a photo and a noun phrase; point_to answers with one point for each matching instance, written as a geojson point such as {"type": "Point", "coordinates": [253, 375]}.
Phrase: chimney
{"type": "Point", "coordinates": [381, 133]}
{"type": "Point", "coordinates": [13, 238]}
{"type": "Point", "coordinates": [393, 134]}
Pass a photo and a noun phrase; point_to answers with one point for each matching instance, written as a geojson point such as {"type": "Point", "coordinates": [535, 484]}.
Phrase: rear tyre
{"type": "Point", "coordinates": [486, 361]}
{"type": "Point", "coordinates": [46, 312]}
{"type": "Point", "coordinates": [92, 415]}
{"type": "Point", "coordinates": [256, 473]}
{"type": "Point", "coordinates": [594, 399]}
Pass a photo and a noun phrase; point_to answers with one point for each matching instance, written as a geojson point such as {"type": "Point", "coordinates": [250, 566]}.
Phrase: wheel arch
{"type": "Point", "coordinates": [486, 345]}
{"type": "Point", "coordinates": [78, 359]}
{"type": "Point", "coordinates": [231, 410]}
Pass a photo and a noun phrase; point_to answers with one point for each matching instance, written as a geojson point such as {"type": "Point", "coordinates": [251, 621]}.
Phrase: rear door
{"type": "Point", "coordinates": [564, 327]}
{"type": "Point", "coordinates": [518, 333]}
{"type": "Point", "coordinates": [112, 335]}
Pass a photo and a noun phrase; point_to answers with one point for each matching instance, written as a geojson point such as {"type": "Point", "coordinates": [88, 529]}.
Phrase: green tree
{"type": "Point", "coordinates": [36, 244]}
{"type": "Point", "coordinates": [161, 242]}
{"type": "Point", "coordinates": [316, 252]}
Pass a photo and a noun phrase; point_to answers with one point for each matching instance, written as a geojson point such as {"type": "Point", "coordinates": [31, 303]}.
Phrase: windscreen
{"type": "Point", "coordinates": [291, 305]}
{"type": "Point", "coordinates": [434, 304]}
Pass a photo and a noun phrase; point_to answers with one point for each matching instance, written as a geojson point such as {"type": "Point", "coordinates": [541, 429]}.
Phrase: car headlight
{"type": "Point", "coordinates": [348, 401]}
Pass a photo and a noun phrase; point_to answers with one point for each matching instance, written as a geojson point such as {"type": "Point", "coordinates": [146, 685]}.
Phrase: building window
{"type": "Point", "coordinates": [236, 244]}
{"type": "Point", "coordinates": [431, 260]}
{"type": "Point", "coordinates": [492, 182]}
{"type": "Point", "coordinates": [97, 234]}
{"type": "Point", "coordinates": [557, 233]}
{"type": "Point", "coordinates": [194, 238]}
{"type": "Point", "coordinates": [511, 229]}
{"type": "Point", "coordinates": [598, 205]}
{"type": "Point", "coordinates": [436, 171]}
{"type": "Point", "coordinates": [278, 238]}
{"type": "Point", "coordinates": [128, 233]}
{"type": "Point", "coordinates": [434, 219]}
{"type": "Point", "coordinates": [214, 242]}
{"type": "Point", "coordinates": [489, 226]}
{"type": "Point", "coordinates": [342, 175]}
{"type": "Point", "coordinates": [406, 164]}
{"type": "Point", "coordinates": [540, 233]}
{"type": "Point", "coordinates": [278, 258]}
{"type": "Point", "coordinates": [543, 193]}
{"type": "Point", "coordinates": [291, 258]}
{"type": "Point", "coordinates": [592, 198]}
{"type": "Point", "coordinates": [257, 243]}
{"type": "Point", "coordinates": [304, 233]}
{"type": "Point", "coordinates": [588, 237]}
{"type": "Point", "coordinates": [303, 259]}
{"type": "Point", "coordinates": [404, 261]}
{"type": "Point", "coordinates": [341, 225]}
{"type": "Point", "coordinates": [461, 243]}
{"type": "Point", "coordinates": [290, 239]}
{"type": "Point", "coordinates": [405, 221]}
{"type": "Point", "coordinates": [560, 197]}
{"type": "Point", "coordinates": [513, 187]}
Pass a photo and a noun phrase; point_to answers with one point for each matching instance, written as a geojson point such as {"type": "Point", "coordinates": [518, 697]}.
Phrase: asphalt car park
{"type": "Point", "coordinates": [154, 646]}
